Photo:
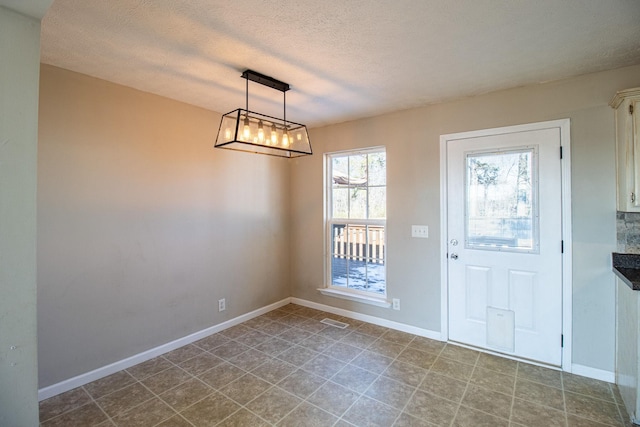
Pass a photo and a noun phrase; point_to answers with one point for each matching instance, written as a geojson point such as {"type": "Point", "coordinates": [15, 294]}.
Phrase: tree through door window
{"type": "Point", "coordinates": [501, 207]}
{"type": "Point", "coordinates": [356, 220]}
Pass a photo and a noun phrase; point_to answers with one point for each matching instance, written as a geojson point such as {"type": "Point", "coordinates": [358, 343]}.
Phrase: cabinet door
{"type": "Point", "coordinates": [628, 152]}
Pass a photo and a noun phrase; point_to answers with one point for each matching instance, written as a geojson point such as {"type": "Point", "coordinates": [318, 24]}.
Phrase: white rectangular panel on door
{"type": "Point", "coordinates": [500, 329]}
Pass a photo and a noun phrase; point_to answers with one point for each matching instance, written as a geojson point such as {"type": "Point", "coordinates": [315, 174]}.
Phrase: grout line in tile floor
{"type": "Point", "coordinates": [513, 398]}
{"type": "Point", "coordinates": [564, 403]}
{"type": "Point", "coordinates": [157, 395]}
{"type": "Point", "coordinates": [466, 389]}
{"type": "Point", "coordinates": [416, 389]}
{"type": "Point", "coordinates": [291, 320]}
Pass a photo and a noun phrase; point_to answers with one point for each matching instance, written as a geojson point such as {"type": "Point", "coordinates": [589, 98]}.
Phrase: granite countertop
{"type": "Point", "coordinates": [627, 268]}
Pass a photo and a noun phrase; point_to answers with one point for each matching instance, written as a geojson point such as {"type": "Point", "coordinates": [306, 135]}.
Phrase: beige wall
{"type": "Point", "coordinates": [412, 141]}
{"type": "Point", "coordinates": [143, 226]}
{"type": "Point", "coordinates": [20, 56]}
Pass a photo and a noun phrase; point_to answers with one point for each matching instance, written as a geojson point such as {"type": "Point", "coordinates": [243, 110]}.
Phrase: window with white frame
{"type": "Point", "coordinates": [356, 201]}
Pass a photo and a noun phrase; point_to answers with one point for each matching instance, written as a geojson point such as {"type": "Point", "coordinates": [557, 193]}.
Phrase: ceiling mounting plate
{"type": "Point", "coordinates": [265, 80]}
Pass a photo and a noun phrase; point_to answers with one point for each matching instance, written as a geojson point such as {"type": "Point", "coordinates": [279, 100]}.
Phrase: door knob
{"type": "Point", "coordinates": [454, 256]}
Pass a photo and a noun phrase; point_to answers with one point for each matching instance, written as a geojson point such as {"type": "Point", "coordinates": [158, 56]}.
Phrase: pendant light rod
{"type": "Point", "coordinates": [254, 76]}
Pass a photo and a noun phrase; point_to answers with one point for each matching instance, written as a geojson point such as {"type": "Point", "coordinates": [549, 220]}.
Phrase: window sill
{"type": "Point", "coordinates": [379, 302]}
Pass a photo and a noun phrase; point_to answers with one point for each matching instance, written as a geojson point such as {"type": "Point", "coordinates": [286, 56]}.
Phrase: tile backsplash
{"type": "Point", "coordinates": [628, 230]}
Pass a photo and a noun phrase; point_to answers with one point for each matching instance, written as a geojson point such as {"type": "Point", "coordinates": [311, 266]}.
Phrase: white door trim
{"type": "Point", "coordinates": [564, 125]}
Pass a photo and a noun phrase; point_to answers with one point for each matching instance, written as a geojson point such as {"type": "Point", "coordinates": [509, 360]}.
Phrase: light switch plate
{"type": "Point", "coordinates": [421, 231]}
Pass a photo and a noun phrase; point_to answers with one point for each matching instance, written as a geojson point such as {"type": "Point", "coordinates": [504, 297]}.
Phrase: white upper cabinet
{"type": "Point", "coordinates": [626, 103]}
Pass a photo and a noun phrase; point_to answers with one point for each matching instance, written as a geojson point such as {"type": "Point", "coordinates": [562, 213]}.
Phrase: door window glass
{"type": "Point", "coordinates": [501, 207]}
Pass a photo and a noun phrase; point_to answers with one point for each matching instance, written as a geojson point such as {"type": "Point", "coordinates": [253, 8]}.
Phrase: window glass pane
{"type": "Point", "coordinates": [357, 275]}
{"type": "Point", "coordinates": [339, 272]}
{"type": "Point", "coordinates": [340, 203]}
{"type": "Point", "coordinates": [377, 202]}
{"type": "Point", "coordinates": [340, 172]}
{"type": "Point", "coordinates": [357, 261]}
{"type": "Point", "coordinates": [377, 169]}
{"type": "Point", "coordinates": [358, 170]}
{"type": "Point", "coordinates": [339, 255]}
{"type": "Point", "coordinates": [358, 202]}
{"type": "Point", "coordinates": [376, 244]}
{"type": "Point", "coordinates": [500, 208]}
{"type": "Point", "coordinates": [340, 169]}
{"type": "Point", "coordinates": [376, 277]}
{"type": "Point", "coordinates": [358, 242]}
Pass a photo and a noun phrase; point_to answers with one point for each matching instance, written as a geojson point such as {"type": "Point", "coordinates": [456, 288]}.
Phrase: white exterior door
{"type": "Point", "coordinates": [504, 243]}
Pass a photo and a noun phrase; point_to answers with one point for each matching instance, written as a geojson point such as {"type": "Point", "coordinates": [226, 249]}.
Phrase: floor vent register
{"type": "Point", "coordinates": [334, 323]}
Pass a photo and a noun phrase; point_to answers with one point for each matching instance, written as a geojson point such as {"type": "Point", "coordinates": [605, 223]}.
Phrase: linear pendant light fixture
{"type": "Point", "coordinates": [253, 132]}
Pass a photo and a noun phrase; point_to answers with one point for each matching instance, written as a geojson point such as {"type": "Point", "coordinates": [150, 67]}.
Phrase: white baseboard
{"type": "Point", "coordinates": [596, 374]}
{"type": "Point", "coordinates": [96, 374]}
{"type": "Point", "coordinates": [370, 319]}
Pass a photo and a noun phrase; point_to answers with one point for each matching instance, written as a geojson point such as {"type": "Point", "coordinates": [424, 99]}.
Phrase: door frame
{"type": "Point", "coordinates": [564, 126]}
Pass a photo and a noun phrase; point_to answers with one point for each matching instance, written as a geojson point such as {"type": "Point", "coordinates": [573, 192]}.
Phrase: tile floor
{"type": "Point", "coordinates": [285, 368]}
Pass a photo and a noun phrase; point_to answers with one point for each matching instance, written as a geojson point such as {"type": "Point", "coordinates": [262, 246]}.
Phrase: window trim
{"type": "Point", "coordinates": [350, 295]}
{"type": "Point", "coordinates": [328, 288]}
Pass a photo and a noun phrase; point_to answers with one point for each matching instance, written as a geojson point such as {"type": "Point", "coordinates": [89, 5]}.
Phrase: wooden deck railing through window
{"type": "Point", "coordinates": [359, 242]}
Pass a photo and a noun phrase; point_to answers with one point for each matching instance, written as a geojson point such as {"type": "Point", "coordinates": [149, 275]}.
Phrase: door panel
{"type": "Point", "coordinates": [477, 289]}
{"type": "Point", "coordinates": [504, 232]}
{"type": "Point", "coordinates": [521, 289]}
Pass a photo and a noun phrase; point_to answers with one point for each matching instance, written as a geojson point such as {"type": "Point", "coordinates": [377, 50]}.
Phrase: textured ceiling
{"type": "Point", "coordinates": [344, 59]}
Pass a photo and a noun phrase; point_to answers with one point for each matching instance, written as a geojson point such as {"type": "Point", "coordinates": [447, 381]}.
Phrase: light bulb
{"type": "Point", "coordinates": [299, 136]}
{"type": "Point", "coordinates": [260, 132]}
{"type": "Point", "coordinates": [246, 133]}
{"type": "Point", "coordinates": [227, 134]}
{"type": "Point", "coordinates": [274, 135]}
{"type": "Point", "coordinates": [285, 139]}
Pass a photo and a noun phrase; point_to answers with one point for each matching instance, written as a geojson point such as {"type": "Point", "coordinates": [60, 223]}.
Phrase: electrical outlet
{"type": "Point", "coordinates": [222, 305]}
{"type": "Point", "coordinates": [421, 231]}
{"type": "Point", "coordinates": [396, 304]}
